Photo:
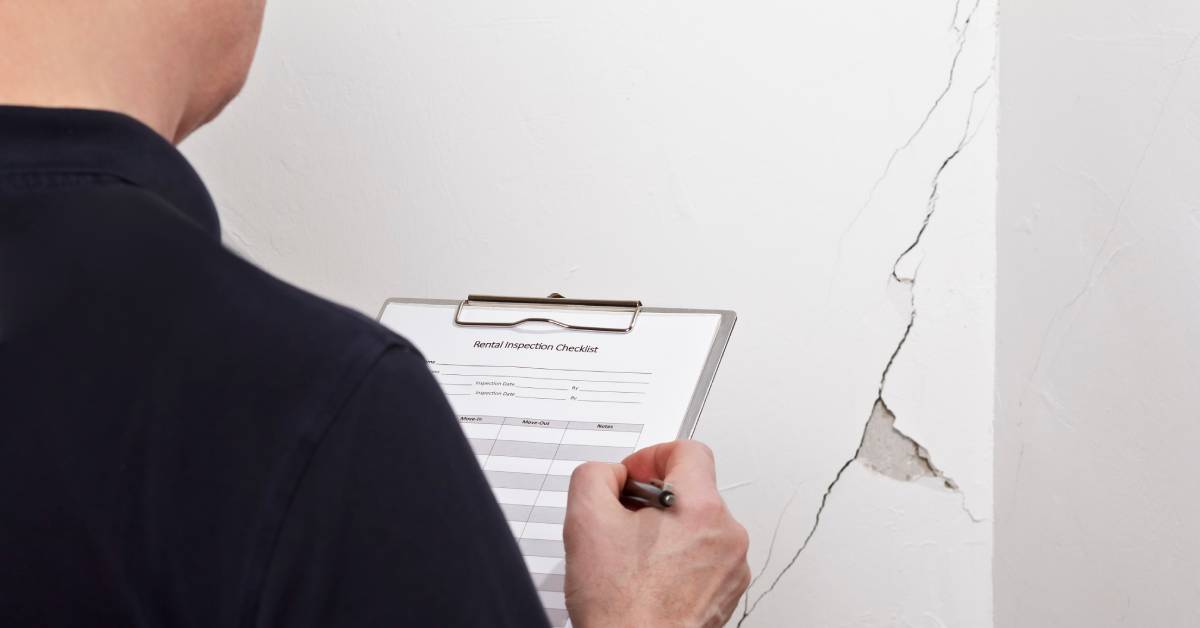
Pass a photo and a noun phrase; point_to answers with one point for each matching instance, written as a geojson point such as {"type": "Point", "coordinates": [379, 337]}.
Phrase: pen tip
{"type": "Point", "coordinates": [667, 499]}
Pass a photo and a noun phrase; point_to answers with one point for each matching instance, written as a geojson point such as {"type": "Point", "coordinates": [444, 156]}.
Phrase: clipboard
{"type": "Point", "coordinates": [542, 385]}
{"type": "Point", "coordinates": [460, 312]}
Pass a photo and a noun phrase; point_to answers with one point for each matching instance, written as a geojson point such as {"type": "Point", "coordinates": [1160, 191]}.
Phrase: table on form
{"type": "Point", "coordinates": [528, 463]}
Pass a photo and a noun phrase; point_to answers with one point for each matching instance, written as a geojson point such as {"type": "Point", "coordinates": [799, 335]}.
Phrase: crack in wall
{"type": "Point", "coordinates": [937, 102]}
{"type": "Point", "coordinates": [883, 448]}
{"type": "Point", "coordinates": [935, 184]}
{"type": "Point", "coordinates": [747, 607]}
{"type": "Point", "coordinates": [771, 545]}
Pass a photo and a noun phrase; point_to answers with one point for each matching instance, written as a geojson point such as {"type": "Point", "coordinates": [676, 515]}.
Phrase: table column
{"type": "Point", "coordinates": [481, 433]}
{"type": "Point", "coordinates": [541, 538]}
{"type": "Point", "coordinates": [518, 463]}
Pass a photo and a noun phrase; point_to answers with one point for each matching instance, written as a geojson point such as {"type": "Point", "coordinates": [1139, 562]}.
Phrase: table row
{"type": "Point", "coordinates": [603, 426]}
{"type": "Point", "coordinates": [542, 466]}
{"type": "Point", "coordinates": [534, 530]}
{"type": "Point", "coordinates": [550, 435]}
{"type": "Point", "coordinates": [548, 451]}
{"type": "Point", "coordinates": [530, 497]}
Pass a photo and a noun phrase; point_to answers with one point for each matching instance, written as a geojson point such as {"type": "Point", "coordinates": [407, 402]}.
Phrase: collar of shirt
{"type": "Point", "coordinates": [77, 141]}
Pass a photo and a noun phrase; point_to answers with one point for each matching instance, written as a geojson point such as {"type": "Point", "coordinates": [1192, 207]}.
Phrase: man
{"type": "Point", "coordinates": [187, 441]}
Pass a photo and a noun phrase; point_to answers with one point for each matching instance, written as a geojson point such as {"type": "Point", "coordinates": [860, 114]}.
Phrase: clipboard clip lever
{"type": "Point", "coordinates": [556, 300]}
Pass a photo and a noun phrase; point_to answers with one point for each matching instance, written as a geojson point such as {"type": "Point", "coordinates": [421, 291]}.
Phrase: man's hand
{"type": "Point", "coordinates": [683, 566]}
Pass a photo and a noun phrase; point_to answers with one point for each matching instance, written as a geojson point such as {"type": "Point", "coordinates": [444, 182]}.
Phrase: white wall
{"type": "Point", "coordinates": [777, 158]}
{"type": "Point", "coordinates": [1099, 318]}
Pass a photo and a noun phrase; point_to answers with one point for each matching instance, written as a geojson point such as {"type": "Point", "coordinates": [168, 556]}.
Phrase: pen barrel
{"type": "Point", "coordinates": [655, 495]}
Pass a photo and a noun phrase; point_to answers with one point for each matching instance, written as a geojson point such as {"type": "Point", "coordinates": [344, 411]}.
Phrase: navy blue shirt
{"type": "Point", "coordinates": [188, 441]}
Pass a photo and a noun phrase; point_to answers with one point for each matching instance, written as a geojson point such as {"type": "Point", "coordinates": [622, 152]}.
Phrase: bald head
{"type": "Point", "coordinates": [173, 65]}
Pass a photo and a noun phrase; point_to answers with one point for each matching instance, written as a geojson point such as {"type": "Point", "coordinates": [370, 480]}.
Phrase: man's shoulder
{"type": "Point", "coordinates": [253, 297]}
{"type": "Point", "coordinates": [267, 316]}
{"type": "Point", "coordinates": [182, 298]}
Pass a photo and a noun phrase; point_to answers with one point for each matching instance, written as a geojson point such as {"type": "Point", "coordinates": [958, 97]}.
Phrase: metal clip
{"type": "Point", "coordinates": [556, 300]}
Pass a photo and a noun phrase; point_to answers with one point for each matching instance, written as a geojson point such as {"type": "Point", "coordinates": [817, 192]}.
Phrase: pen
{"type": "Point", "coordinates": [656, 494]}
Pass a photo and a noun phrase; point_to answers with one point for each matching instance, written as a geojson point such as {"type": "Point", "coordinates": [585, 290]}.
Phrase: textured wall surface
{"type": "Point", "coordinates": [826, 169]}
{"type": "Point", "coordinates": [1099, 319]}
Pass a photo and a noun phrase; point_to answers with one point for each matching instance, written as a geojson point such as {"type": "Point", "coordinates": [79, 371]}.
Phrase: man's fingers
{"type": "Point", "coordinates": [596, 482]}
{"type": "Point", "coordinates": [686, 464]}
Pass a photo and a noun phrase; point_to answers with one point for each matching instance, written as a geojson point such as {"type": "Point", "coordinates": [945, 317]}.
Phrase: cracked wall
{"type": "Point", "coordinates": [883, 447]}
{"type": "Point", "coordinates": [825, 170]}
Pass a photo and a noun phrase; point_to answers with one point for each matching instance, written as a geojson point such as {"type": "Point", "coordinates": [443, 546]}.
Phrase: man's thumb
{"type": "Point", "coordinates": [597, 484]}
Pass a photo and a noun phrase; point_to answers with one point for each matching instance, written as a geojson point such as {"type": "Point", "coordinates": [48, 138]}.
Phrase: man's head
{"type": "Point", "coordinates": [221, 36]}
{"type": "Point", "coordinates": [174, 65]}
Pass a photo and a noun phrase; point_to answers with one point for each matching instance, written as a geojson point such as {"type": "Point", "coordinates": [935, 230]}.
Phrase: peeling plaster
{"type": "Point", "coordinates": [888, 451]}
